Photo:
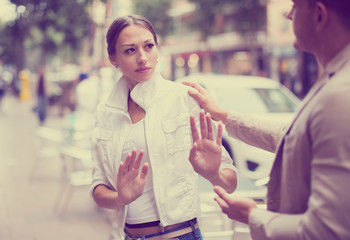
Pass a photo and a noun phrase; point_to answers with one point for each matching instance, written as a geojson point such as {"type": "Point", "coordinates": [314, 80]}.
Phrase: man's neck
{"type": "Point", "coordinates": [329, 51]}
{"type": "Point", "coordinates": [332, 41]}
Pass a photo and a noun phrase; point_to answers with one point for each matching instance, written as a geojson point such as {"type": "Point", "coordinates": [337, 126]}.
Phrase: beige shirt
{"type": "Point", "coordinates": [308, 192]}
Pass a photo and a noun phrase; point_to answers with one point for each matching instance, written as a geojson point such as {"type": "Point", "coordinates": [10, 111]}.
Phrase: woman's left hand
{"type": "Point", "coordinates": [205, 155]}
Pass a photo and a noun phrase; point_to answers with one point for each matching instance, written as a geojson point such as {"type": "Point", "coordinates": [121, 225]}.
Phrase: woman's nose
{"type": "Point", "coordinates": [290, 14]}
{"type": "Point", "coordinates": [142, 59]}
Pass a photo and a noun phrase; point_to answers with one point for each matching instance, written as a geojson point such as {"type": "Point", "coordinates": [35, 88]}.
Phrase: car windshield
{"type": "Point", "coordinates": [254, 100]}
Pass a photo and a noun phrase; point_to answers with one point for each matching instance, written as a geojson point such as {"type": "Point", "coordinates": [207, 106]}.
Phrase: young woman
{"type": "Point", "coordinates": [143, 142]}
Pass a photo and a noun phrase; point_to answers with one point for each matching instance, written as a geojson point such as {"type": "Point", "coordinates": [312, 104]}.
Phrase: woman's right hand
{"type": "Point", "coordinates": [130, 184]}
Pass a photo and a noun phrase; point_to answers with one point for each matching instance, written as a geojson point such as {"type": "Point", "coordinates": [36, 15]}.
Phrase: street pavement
{"type": "Point", "coordinates": [28, 208]}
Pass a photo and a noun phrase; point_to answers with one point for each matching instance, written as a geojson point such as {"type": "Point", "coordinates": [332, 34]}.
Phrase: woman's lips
{"type": "Point", "coordinates": [143, 70]}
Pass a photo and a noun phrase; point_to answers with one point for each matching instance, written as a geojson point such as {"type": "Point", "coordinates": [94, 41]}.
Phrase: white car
{"type": "Point", "coordinates": [252, 95]}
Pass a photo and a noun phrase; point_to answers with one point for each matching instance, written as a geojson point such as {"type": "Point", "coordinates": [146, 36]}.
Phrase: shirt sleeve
{"type": "Point", "coordinates": [98, 172]}
{"type": "Point", "coordinates": [256, 131]}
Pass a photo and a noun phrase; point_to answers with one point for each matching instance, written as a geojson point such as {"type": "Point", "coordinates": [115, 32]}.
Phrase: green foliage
{"type": "Point", "coordinates": [156, 12]}
{"type": "Point", "coordinates": [49, 24]}
{"type": "Point", "coordinates": [250, 16]}
{"type": "Point", "coordinates": [65, 17]}
{"type": "Point", "coordinates": [12, 40]}
{"type": "Point", "coordinates": [7, 51]}
{"type": "Point", "coordinates": [243, 16]}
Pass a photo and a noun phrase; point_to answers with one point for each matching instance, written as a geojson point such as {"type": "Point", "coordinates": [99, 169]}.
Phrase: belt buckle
{"type": "Point", "coordinates": [161, 227]}
{"type": "Point", "coordinates": [133, 238]}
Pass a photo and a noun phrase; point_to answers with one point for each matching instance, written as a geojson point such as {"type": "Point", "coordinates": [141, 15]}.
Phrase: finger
{"type": "Point", "coordinates": [199, 95]}
{"type": "Point", "coordinates": [138, 159]}
{"type": "Point", "coordinates": [144, 171]}
{"type": "Point", "coordinates": [194, 94]}
{"type": "Point", "coordinates": [221, 193]}
{"type": "Point", "coordinates": [126, 164]}
{"type": "Point", "coordinates": [209, 126]}
{"type": "Point", "coordinates": [194, 85]}
{"type": "Point", "coordinates": [193, 151]}
{"type": "Point", "coordinates": [132, 159]}
{"type": "Point", "coordinates": [221, 203]}
{"type": "Point", "coordinates": [195, 135]}
{"type": "Point", "coordinates": [120, 172]}
{"type": "Point", "coordinates": [202, 124]}
{"type": "Point", "coordinates": [219, 134]}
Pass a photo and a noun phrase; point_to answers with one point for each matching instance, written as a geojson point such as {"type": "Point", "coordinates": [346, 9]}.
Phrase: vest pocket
{"type": "Point", "coordinates": [102, 138]}
{"type": "Point", "coordinates": [177, 133]}
{"type": "Point", "coordinates": [102, 133]}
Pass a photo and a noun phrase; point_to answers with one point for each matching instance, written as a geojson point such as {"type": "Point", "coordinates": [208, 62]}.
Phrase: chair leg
{"type": "Point", "coordinates": [60, 199]}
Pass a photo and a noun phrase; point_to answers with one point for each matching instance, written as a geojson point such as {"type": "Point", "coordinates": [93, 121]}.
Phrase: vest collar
{"type": "Point", "coordinates": [143, 93]}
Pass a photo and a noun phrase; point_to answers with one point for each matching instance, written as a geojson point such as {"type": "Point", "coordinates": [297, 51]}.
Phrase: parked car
{"type": "Point", "coordinates": [251, 95]}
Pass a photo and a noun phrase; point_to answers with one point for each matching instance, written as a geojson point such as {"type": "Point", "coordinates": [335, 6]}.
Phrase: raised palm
{"type": "Point", "coordinates": [130, 184]}
{"type": "Point", "coordinates": [205, 155]}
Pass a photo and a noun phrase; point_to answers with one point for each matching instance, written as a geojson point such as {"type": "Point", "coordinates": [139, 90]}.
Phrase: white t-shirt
{"type": "Point", "coordinates": [143, 209]}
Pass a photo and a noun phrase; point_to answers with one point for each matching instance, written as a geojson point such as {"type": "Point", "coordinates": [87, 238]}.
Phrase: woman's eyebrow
{"type": "Point", "coordinates": [132, 44]}
{"type": "Point", "coordinates": [128, 45]}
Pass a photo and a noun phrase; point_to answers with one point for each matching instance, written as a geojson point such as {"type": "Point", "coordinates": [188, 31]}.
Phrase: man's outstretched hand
{"type": "Point", "coordinates": [235, 208]}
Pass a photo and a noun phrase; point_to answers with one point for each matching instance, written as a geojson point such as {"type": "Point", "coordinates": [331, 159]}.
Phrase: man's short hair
{"type": "Point", "coordinates": [340, 7]}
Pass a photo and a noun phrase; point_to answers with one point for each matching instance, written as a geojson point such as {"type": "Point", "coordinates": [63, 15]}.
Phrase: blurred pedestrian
{"type": "Point", "coordinates": [143, 126]}
{"type": "Point", "coordinates": [308, 196]}
{"type": "Point", "coordinates": [3, 86]}
{"type": "Point", "coordinates": [66, 100]}
{"type": "Point", "coordinates": [41, 107]}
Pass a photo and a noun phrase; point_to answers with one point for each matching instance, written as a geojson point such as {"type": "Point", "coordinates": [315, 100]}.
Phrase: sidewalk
{"type": "Point", "coordinates": [27, 204]}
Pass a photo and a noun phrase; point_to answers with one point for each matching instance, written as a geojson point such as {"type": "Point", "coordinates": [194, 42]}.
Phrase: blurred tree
{"type": "Point", "coordinates": [48, 25]}
{"type": "Point", "coordinates": [157, 12]}
{"type": "Point", "coordinates": [243, 16]}
{"type": "Point", "coordinates": [12, 39]}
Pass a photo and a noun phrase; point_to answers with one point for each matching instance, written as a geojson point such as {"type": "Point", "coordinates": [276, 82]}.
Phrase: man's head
{"type": "Point", "coordinates": [340, 7]}
{"type": "Point", "coordinates": [321, 27]}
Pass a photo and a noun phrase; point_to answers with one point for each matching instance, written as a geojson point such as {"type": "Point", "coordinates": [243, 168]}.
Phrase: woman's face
{"type": "Point", "coordinates": [136, 54]}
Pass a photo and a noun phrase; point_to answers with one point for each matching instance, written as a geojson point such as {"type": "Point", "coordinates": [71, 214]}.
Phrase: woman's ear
{"type": "Point", "coordinates": [113, 61]}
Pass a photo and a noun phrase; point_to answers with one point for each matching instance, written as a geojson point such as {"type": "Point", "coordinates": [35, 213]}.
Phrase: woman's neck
{"type": "Point", "coordinates": [135, 111]}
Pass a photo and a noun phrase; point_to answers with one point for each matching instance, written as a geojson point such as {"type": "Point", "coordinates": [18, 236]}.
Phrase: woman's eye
{"type": "Point", "coordinates": [129, 50]}
{"type": "Point", "coordinates": [150, 45]}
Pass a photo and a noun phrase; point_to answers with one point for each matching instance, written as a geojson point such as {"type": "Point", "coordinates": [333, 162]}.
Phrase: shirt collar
{"type": "Point", "coordinates": [338, 62]}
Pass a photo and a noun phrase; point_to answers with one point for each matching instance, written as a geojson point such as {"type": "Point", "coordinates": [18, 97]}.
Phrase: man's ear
{"type": "Point", "coordinates": [113, 61]}
{"type": "Point", "coordinates": [322, 16]}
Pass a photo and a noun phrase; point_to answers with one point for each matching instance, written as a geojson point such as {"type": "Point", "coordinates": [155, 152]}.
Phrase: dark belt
{"type": "Point", "coordinates": [143, 225]}
{"type": "Point", "coordinates": [182, 229]}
